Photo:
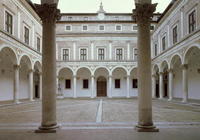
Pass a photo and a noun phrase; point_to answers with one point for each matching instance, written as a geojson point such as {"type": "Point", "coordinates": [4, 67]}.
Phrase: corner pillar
{"type": "Point", "coordinates": [16, 84]}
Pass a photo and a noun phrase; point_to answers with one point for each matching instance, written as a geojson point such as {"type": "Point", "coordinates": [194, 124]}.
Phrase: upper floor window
{"type": "Point", "coordinates": [26, 35]}
{"type": "Point", "coordinates": [135, 54]}
{"type": "Point", "coordinates": [192, 21]}
{"type": "Point", "coordinates": [84, 27]}
{"type": "Point", "coordinates": [135, 28]}
{"type": "Point", "coordinates": [175, 34]}
{"type": "Point", "coordinates": [101, 54]}
{"type": "Point", "coordinates": [38, 44]}
{"type": "Point", "coordinates": [118, 27]}
{"type": "Point", "coordinates": [9, 22]}
{"type": "Point", "coordinates": [65, 54]}
{"type": "Point", "coordinates": [68, 28]}
{"type": "Point", "coordinates": [164, 43]}
{"type": "Point", "coordinates": [83, 54]}
{"type": "Point", "coordinates": [155, 50]}
{"type": "Point", "coordinates": [119, 54]}
{"type": "Point", "coordinates": [152, 27]}
{"type": "Point", "coordinates": [101, 27]}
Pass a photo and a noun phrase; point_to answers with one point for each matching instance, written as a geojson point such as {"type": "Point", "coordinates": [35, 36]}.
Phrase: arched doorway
{"type": "Point", "coordinates": [101, 87]}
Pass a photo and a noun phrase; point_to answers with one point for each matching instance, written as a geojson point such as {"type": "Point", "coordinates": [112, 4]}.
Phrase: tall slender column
{"type": "Point", "coordinates": [74, 80]}
{"type": "Point", "coordinates": [48, 13]}
{"type": "Point", "coordinates": [161, 85]}
{"type": "Point", "coordinates": [154, 86]}
{"type": "Point", "coordinates": [74, 50]}
{"type": "Point", "coordinates": [31, 85]}
{"type": "Point", "coordinates": [92, 50]}
{"type": "Point", "coordinates": [40, 85]}
{"type": "Point", "coordinates": [16, 84]}
{"type": "Point", "coordinates": [185, 82]}
{"type": "Point", "coordinates": [128, 86]}
{"type": "Point", "coordinates": [144, 10]}
{"type": "Point", "coordinates": [110, 50]}
{"type": "Point", "coordinates": [92, 82]}
{"type": "Point", "coordinates": [110, 86]}
{"type": "Point", "coordinates": [170, 83]}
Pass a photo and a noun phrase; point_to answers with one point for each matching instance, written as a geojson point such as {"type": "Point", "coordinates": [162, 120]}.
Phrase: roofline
{"type": "Point", "coordinates": [62, 14]}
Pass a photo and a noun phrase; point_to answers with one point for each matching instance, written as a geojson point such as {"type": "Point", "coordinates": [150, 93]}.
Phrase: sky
{"type": "Point", "coordinates": [110, 6]}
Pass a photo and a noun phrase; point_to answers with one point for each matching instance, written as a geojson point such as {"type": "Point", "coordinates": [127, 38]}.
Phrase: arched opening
{"type": "Point", "coordinates": [36, 80]}
{"type": "Point", "coordinates": [7, 61]}
{"type": "Point", "coordinates": [192, 58]}
{"type": "Point", "coordinates": [156, 72]}
{"type": "Point", "coordinates": [101, 87]}
{"type": "Point", "coordinates": [165, 68]}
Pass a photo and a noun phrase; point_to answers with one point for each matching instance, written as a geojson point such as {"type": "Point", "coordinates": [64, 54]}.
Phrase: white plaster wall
{"type": "Point", "coordinates": [177, 92]}
{"type": "Point", "coordinates": [23, 83]}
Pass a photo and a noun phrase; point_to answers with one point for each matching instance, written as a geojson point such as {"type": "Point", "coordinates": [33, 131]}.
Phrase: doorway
{"type": "Point", "coordinates": [101, 87]}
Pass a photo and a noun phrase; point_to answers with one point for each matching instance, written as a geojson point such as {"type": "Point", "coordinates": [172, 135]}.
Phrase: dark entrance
{"type": "Point", "coordinates": [101, 87]}
{"type": "Point", "coordinates": [165, 85]}
{"type": "Point", "coordinates": [37, 91]}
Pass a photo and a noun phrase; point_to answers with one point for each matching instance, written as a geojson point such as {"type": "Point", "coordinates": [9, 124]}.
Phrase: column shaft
{"type": "Point", "coordinates": [128, 86]}
{"type": "Point", "coordinates": [16, 84]}
{"type": "Point", "coordinates": [110, 87]}
{"type": "Point", "coordinates": [92, 82]}
{"type": "Point", "coordinates": [31, 85]}
{"type": "Point", "coordinates": [170, 83]}
{"type": "Point", "coordinates": [161, 85]}
{"type": "Point", "coordinates": [185, 82]}
{"type": "Point", "coordinates": [40, 85]}
{"type": "Point", "coordinates": [154, 86]}
{"type": "Point", "coordinates": [75, 81]}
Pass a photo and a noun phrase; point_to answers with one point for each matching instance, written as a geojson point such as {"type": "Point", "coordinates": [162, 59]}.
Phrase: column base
{"type": "Point", "coordinates": [17, 102]}
{"type": "Point", "coordinates": [47, 129]}
{"type": "Point", "coordinates": [60, 96]}
{"type": "Point", "coordinates": [140, 128]}
{"type": "Point", "coordinates": [184, 101]}
{"type": "Point", "coordinates": [170, 99]}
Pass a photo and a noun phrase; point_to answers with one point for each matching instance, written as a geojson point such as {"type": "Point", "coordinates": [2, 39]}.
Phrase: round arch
{"type": "Point", "coordinates": [30, 65]}
{"type": "Point", "coordinates": [174, 59]}
{"type": "Point", "coordinates": [84, 67]}
{"type": "Point", "coordinates": [156, 68]}
{"type": "Point", "coordinates": [2, 48]}
{"type": "Point", "coordinates": [164, 66]}
{"type": "Point", "coordinates": [188, 51]}
{"type": "Point", "coordinates": [38, 65]}
{"type": "Point", "coordinates": [102, 67]}
{"type": "Point", "coordinates": [66, 67]}
{"type": "Point", "coordinates": [122, 67]}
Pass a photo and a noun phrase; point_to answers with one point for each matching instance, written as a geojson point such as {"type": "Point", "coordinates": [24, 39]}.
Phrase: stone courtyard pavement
{"type": "Point", "coordinates": [101, 118]}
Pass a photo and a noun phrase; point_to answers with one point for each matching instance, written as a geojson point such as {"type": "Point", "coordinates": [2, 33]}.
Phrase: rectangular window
{"type": "Point", "coordinates": [65, 54]}
{"type": "Point", "coordinates": [85, 83]}
{"type": "Point", "coordinates": [101, 54]}
{"type": "Point", "coordinates": [85, 28]}
{"type": "Point", "coordinates": [9, 22]}
{"type": "Point", "coordinates": [135, 54]}
{"type": "Point", "coordinates": [135, 27]}
{"type": "Point", "coordinates": [83, 54]}
{"type": "Point", "coordinates": [192, 21]}
{"type": "Point", "coordinates": [67, 83]}
{"type": "Point", "coordinates": [101, 27]}
{"type": "Point", "coordinates": [26, 35]}
{"type": "Point", "coordinates": [175, 34]}
{"type": "Point", "coordinates": [152, 27]}
{"type": "Point", "coordinates": [155, 50]}
{"type": "Point", "coordinates": [68, 28]}
{"type": "Point", "coordinates": [118, 28]}
{"type": "Point", "coordinates": [38, 44]}
{"type": "Point", "coordinates": [117, 83]}
{"type": "Point", "coordinates": [135, 83]}
{"type": "Point", "coordinates": [119, 54]}
{"type": "Point", "coordinates": [163, 43]}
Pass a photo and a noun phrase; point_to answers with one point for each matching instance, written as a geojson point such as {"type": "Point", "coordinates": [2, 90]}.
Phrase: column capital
{"type": "Point", "coordinates": [154, 75]}
{"type": "Point", "coordinates": [170, 70]}
{"type": "Point", "coordinates": [31, 70]}
{"type": "Point", "coordinates": [184, 66]}
{"type": "Point", "coordinates": [110, 76]}
{"type": "Point", "coordinates": [74, 76]}
{"type": "Point", "coordinates": [17, 66]}
{"type": "Point", "coordinates": [144, 11]}
{"type": "Point", "coordinates": [161, 73]}
{"type": "Point", "coordinates": [92, 76]}
{"type": "Point", "coordinates": [48, 12]}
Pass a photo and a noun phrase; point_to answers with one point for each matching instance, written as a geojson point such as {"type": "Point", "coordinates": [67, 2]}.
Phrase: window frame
{"type": "Point", "coordinates": [83, 26]}
{"type": "Point", "coordinates": [134, 56]}
{"type": "Point", "coordinates": [104, 55]}
{"type": "Point", "coordinates": [116, 53]}
{"type": "Point", "coordinates": [26, 27]}
{"type": "Point", "coordinates": [80, 53]}
{"type": "Point", "coordinates": [120, 27]}
{"type": "Point", "coordinates": [62, 55]}
{"type": "Point", "coordinates": [69, 84]}
{"type": "Point", "coordinates": [70, 28]}
{"type": "Point", "coordinates": [9, 12]}
{"type": "Point", "coordinates": [101, 25]}
{"type": "Point", "coordinates": [155, 49]}
{"type": "Point", "coordinates": [83, 85]}
{"type": "Point", "coordinates": [38, 37]}
{"type": "Point", "coordinates": [188, 20]}
{"type": "Point", "coordinates": [164, 36]}
{"type": "Point", "coordinates": [118, 85]}
{"type": "Point", "coordinates": [173, 41]}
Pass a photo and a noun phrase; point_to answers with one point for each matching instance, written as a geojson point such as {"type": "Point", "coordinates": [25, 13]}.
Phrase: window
{"type": "Point", "coordinates": [101, 27]}
{"type": "Point", "coordinates": [67, 83]}
{"type": "Point", "coordinates": [101, 54]}
{"type": "Point", "coordinates": [38, 44]}
{"type": "Point", "coordinates": [26, 35]}
{"type": "Point", "coordinates": [68, 28]}
{"type": "Point", "coordinates": [152, 27]}
{"type": "Point", "coordinates": [135, 83]}
{"type": "Point", "coordinates": [9, 23]}
{"type": "Point", "coordinates": [118, 28]}
{"type": "Point", "coordinates": [163, 43]}
{"type": "Point", "coordinates": [85, 84]}
{"type": "Point", "coordinates": [135, 27]}
{"type": "Point", "coordinates": [117, 83]}
{"type": "Point", "coordinates": [192, 21]}
{"type": "Point", "coordinates": [135, 54]}
{"type": "Point", "coordinates": [84, 27]}
{"type": "Point", "coordinates": [155, 50]}
{"type": "Point", "coordinates": [83, 54]}
{"type": "Point", "coordinates": [119, 54]}
{"type": "Point", "coordinates": [175, 34]}
{"type": "Point", "coordinates": [65, 54]}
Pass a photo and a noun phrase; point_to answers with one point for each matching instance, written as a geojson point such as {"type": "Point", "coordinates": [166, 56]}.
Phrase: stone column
{"type": "Point", "coordinates": [92, 82]}
{"type": "Point", "coordinates": [31, 85]}
{"type": "Point", "coordinates": [170, 83]}
{"type": "Point", "coordinates": [110, 86]}
{"type": "Point", "coordinates": [74, 80]}
{"type": "Point", "coordinates": [40, 85]}
{"type": "Point", "coordinates": [128, 86]}
{"type": "Point", "coordinates": [161, 85]}
{"type": "Point", "coordinates": [144, 10]}
{"type": "Point", "coordinates": [185, 82]}
{"type": "Point", "coordinates": [154, 85]}
{"type": "Point", "coordinates": [16, 84]}
{"type": "Point", "coordinates": [48, 13]}
{"type": "Point", "coordinates": [110, 50]}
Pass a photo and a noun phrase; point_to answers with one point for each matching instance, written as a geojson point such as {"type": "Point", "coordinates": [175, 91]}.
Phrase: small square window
{"type": "Point", "coordinates": [135, 83]}
{"type": "Point", "coordinates": [118, 27]}
{"type": "Point", "coordinates": [85, 28]}
{"type": "Point", "coordinates": [101, 27]}
{"type": "Point", "coordinates": [67, 83]}
{"type": "Point", "coordinates": [117, 83]}
{"type": "Point", "coordinates": [135, 27]}
{"type": "Point", "coordinates": [68, 28]}
{"type": "Point", "coordinates": [85, 83]}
